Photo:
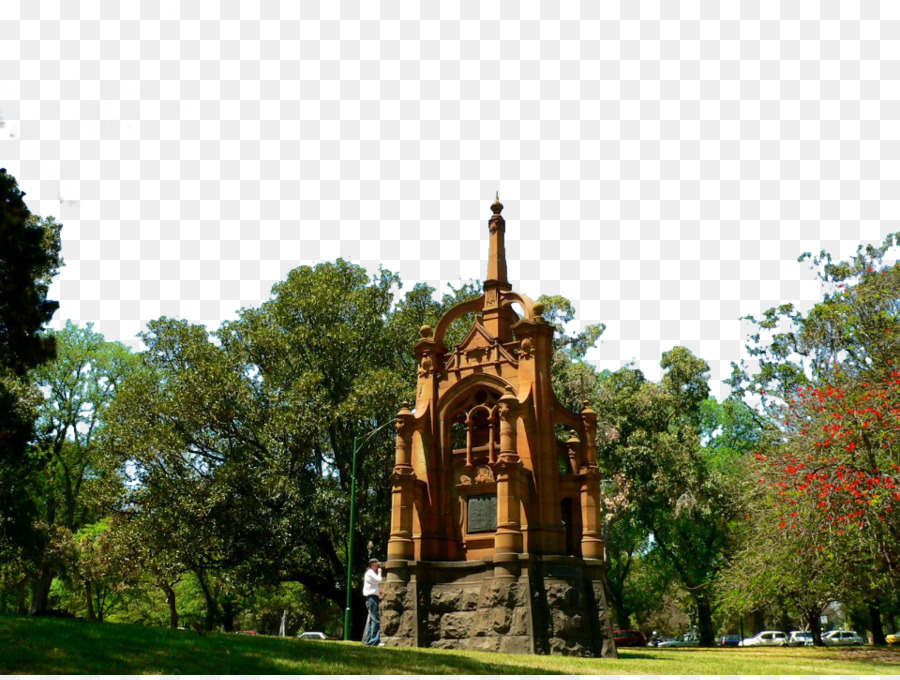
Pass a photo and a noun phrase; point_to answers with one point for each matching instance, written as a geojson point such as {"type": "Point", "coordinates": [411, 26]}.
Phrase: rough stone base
{"type": "Point", "coordinates": [546, 605]}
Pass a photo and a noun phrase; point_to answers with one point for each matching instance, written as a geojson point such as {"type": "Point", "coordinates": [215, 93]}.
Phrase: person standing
{"type": "Point", "coordinates": [372, 592]}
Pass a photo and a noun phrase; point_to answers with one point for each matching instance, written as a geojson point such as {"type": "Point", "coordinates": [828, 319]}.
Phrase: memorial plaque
{"type": "Point", "coordinates": [482, 512]}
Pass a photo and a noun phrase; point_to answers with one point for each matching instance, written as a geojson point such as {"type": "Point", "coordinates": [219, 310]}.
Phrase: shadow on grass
{"type": "Point", "coordinates": [43, 646]}
{"type": "Point", "coordinates": [64, 647]}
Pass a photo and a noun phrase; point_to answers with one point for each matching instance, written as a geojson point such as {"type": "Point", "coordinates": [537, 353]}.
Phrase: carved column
{"type": "Point", "coordinates": [573, 444]}
{"type": "Point", "coordinates": [508, 542]}
{"type": "Point", "coordinates": [492, 447]}
{"type": "Point", "coordinates": [469, 426]}
{"type": "Point", "coordinates": [400, 544]}
{"type": "Point", "coordinates": [591, 510]}
{"type": "Point", "coordinates": [589, 420]}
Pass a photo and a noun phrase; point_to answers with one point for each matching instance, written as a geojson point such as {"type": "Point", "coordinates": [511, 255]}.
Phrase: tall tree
{"type": "Point", "coordinates": [243, 439]}
{"type": "Point", "coordinates": [774, 562]}
{"type": "Point", "coordinates": [854, 330]}
{"type": "Point", "coordinates": [679, 489]}
{"type": "Point", "coordinates": [827, 383]}
{"type": "Point", "coordinates": [78, 481]}
{"type": "Point", "coordinates": [29, 259]}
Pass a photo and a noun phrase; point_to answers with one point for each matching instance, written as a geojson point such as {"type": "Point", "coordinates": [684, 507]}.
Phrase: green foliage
{"type": "Point", "coordinates": [241, 440]}
{"type": "Point", "coordinates": [29, 259]}
{"type": "Point", "coordinates": [855, 328]}
{"type": "Point", "coordinates": [638, 576]}
{"type": "Point", "coordinates": [78, 482]}
{"type": "Point", "coordinates": [819, 490]}
{"type": "Point", "coordinates": [573, 379]}
{"type": "Point", "coordinates": [678, 492]}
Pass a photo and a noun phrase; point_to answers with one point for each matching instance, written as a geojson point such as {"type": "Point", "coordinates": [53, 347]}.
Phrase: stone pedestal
{"type": "Point", "coordinates": [556, 605]}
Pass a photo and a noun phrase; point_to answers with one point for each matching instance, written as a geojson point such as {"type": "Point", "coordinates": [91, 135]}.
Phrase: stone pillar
{"type": "Point", "coordinates": [508, 540]}
{"type": "Point", "coordinates": [469, 426]}
{"type": "Point", "coordinates": [573, 444]}
{"type": "Point", "coordinates": [400, 544]}
{"type": "Point", "coordinates": [497, 318]}
{"type": "Point", "coordinates": [589, 420]}
{"type": "Point", "coordinates": [591, 510]}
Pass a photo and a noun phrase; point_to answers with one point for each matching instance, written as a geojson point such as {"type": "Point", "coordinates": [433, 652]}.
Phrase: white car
{"type": "Point", "coordinates": [312, 635]}
{"type": "Point", "coordinates": [800, 638]}
{"type": "Point", "coordinates": [767, 638]}
{"type": "Point", "coordinates": [842, 637]}
{"type": "Point", "coordinates": [686, 640]}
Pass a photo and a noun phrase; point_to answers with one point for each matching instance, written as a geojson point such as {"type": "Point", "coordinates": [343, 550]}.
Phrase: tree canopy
{"type": "Point", "coordinates": [29, 259]}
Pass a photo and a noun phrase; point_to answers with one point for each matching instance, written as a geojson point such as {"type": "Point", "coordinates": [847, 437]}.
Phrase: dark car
{"type": "Point", "coordinates": [629, 638]}
{"type": "Point", "coordinates": [730, 641]}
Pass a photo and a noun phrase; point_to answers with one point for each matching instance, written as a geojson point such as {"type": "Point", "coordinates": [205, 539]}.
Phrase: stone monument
{"type": "Point", "coordinates": [496, 520]}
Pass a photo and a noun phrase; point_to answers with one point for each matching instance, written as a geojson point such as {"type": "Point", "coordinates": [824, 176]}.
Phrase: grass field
{"type": "Point", "coordinates": [50, 646]}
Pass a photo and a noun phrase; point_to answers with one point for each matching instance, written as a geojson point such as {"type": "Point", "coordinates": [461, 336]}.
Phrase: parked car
{"type": "Point", "coordinates": [729, 640]}
{"type": "Point", "coordinates": [686, 640]}
{"type": "Point", "coordinates": [312, 635]}
{"type": "Point", "coordinates": [800, 638]}
{"type": "Point", "coordinates": [892, 639]}
{"type": "Point", "coordinates": [842, 637]}
{"type": "Point", "coordinates": [656, 639]}
{"type": "Point", "coordinates": [629, 638]}
{"type": "Point", "coordinates": [766, 638]}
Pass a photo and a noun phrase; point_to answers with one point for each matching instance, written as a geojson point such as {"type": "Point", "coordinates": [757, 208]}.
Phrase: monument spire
{"type": "Point", "coordinates": [497, 254]}
{"type": "Point", "coordinates": [497, 319]}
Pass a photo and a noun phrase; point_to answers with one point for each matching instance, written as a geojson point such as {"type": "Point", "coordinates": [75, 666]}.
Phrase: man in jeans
{"type": "Point", "coordinates": [372, 593]}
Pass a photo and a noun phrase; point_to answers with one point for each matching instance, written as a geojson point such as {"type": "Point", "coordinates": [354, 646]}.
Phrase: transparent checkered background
{"type": "Point", "coordinates": [662, 164]}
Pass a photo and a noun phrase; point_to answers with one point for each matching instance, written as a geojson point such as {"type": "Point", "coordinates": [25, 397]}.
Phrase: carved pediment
{"type": "Point", "coordinates": [477, 337]}
{"type": "Point", "coordinates": [478, 348]}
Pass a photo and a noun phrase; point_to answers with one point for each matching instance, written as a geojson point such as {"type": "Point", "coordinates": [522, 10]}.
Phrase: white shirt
{"type": "Point", "coordinates": [370, 583]}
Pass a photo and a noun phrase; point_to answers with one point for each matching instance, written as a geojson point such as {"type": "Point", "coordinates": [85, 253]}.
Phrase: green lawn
{"type": "Point", "coordinates": [50, 646]}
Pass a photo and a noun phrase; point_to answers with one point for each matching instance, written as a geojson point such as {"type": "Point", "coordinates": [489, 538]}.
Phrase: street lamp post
{"type": "Point", "coordinates": [357, 445]}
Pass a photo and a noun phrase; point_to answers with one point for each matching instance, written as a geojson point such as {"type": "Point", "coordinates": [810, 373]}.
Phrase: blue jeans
{"type": "Point", "coordinates": [373, 625]}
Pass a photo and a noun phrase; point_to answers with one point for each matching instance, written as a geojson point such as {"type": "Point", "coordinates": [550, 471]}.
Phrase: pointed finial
{"type": "Point", "coordinates": [497, 207]}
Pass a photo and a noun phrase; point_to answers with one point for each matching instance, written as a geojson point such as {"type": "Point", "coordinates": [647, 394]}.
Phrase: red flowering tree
{"type": "Point", "coordinates": [844, 456]}
{"type": "Point", "coordinates": [829, 392]}
{"type": "Point", "coordinates": [834, 485]}
{"type": "Point", "coordinates": [781, 568]}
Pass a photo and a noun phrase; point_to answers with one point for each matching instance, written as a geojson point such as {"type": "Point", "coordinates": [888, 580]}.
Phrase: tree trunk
{"type": "Point", "coordinates": [616, 599]}
{"type": "Point", "coordinates": [40, 596]}
{"type": "Point", "coordinates": [875, 623]}
{"type": "Point", "coordinates": [704, 621]}
{"type": "Point", "coordinates": [100, 595]}
{"type": "Point", "coordinates": [784, 620]}
{"type": "Point", "coordinates": [359, 615]}
{"type": "Point", "coordinates": [21, 605]}
{"type": "Point", "coordinates": [815, 626]}
{"type": "Point", "coordinates": [212, 607]}
{"type": "Point", "coordinates": [228, 615]}
{"type": "Point", "coordinates": [170, 600]}
{"type": "Point", "coordinates": [758, 618]}
{"type": "Point", "coordinates": [89, 593]}
{"type": "Point", "coordinates": [622, 616]}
